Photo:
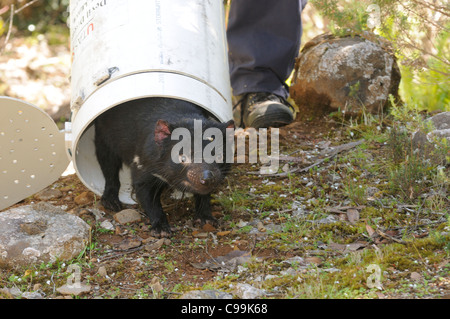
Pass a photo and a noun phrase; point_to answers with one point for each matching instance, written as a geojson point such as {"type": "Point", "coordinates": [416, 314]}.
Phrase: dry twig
{"type": "Point", "coordinates": [336, 150]}
{"type": "Point", "coordinates": [8, 34]}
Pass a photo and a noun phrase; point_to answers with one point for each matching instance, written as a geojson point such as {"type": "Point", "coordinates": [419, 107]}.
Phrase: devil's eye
{"type": "Point", "coordinates": [183, 158]}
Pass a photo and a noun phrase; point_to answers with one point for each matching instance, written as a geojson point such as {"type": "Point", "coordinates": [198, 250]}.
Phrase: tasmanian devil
{"type": "Point", "coordinates": [139, 134]}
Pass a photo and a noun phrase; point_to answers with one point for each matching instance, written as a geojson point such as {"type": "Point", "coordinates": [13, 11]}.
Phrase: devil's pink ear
{"type": "Point", "coordinates": [229, 124]}
{"type": "Point", "coordinates": [162, 131]}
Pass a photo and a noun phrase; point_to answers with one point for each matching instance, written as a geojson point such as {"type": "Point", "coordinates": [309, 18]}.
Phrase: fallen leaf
{"type": "Point", "coordinates": [354, 246]}
{"type": "Point", "coordinates": [338, 247]}
{"type": "Point", "coordinates": [75, 289]}
{"type": "Point", "coordinates": [225, 263]}
{"type": "Point", "coordinates": [198, 234]}
{"type": "Point", "coordinates": [421, 235]}
{"type": "Point", "coordinates": [84, 198]}
{"type": "Point", "coordinates": [208, 228]}
{"type": "Point", "coordinates": [334, 210]}
{"type": "Point", "coordinates": [392, 233]}
{"type": "Point", "coordinates": [223, 233]}
{"type": "Point", "coordinates": [261, 227]}
{"type": "Point", "coordinates": [346, 248]}
{"type": "Point", "coordinates": [217, 214]}
{"type": "Point", "coordinates": [314, 260]}
{"type": "Point", "coordinates": [155, 245]}
{"type": "Point", "coordinates": [370, 230]}
{"type": "Point", "coordinates": [156, 285]}
{"type": "Point", "coordinates": [102, 271]}
{"type": "Point", "coordinates": [352, 215]}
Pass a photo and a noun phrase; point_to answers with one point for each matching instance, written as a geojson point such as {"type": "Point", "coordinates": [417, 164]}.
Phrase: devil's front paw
{"type": "Point", "coordinates": [200, 221]}
{"type": "Point", "coordinates": [111, 203]}
{"type": "Point", "coordinates": [161, 231]}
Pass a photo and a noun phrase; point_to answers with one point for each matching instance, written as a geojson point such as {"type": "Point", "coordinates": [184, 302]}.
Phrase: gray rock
{"type": "Point", "coordinates": [289, 272]}
{"type": "Point", "coordinates": [441, 121]}
{"type": "Point", "coordinates": [40, 233]}
{"type": "Point", "coordinates": [48, 194]}
{"type": "Point", "coordinates": [32, 295]}
{"type": "Point", "coordinates": [327, 220]}
{"type": "Point", "coordinates": [74, 289]}
{"type": "Point", "coordinates": [440, 128]}
{"type": "Point", "coordinates": [12, 292]}
{"type": "Point", "coordinates": [246, 291]}
{"type": "Point", "coordinates": [106, 224]}
{"type": "Point", "coordinates": [345, 73]}
{"type": "Point", "coordinates": [127, 216]}
{"type": "Point", "coordinates": [425, 143]}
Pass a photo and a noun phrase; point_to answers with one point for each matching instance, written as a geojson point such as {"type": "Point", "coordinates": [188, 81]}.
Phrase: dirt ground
{"type": "Point", "coordinates": [127, 262]}
{"type": "Point", "coordinates": [267, 221]}
{"type": "Point", "coordinates": [122, 251]}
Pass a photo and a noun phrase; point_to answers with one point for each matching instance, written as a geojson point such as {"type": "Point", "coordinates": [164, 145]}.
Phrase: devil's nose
{"type": "Point", "coordinates": [207, 177]}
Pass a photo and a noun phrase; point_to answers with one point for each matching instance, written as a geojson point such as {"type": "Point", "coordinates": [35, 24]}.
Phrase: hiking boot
{"type": "Point", "coordinates": [262, 110]}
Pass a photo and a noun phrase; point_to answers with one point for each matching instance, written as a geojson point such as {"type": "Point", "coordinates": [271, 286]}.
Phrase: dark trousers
{"type": "Point", "coordinates": [263, 42]}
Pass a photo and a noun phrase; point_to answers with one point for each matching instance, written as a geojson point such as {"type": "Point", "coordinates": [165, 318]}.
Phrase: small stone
{"type": "Point", "coordinates": [48, 194]}
{"type": "Point", "coordinates": [425, 142]}
{"type": "Point", "coordinates": [74, 289]}
{"type": "Point", "coordinates": [295, 261]}
{"type": "Point", "coordinates": [314, 260]}
{"type": "Point", "coordinates": [223, 233]}
{"type": "Point", "coordinates": [32, 295]}
{"type": "Point", "coordinates": [241, 223]}
{"type": "Point", "coordinates": [106, 224]}
{"type": "Point", "coordinates": [327, 220]}
{"type": "Point", "coordinates": [416, 276]}
{"type": "Point", "coordinates": [127, 216]}
{"type": "Point", "coordinates": [15, 292]}
{"type": "Point", "coordinates": [371, 191]}
{"type": "Point", "coordinates": [246, 291]}
{"type": "Point", "coordinates": [289, 272]}
{"type": "Point", "coordinates": [129, 243]}
{"type": "Point", "coordinates": [102, 271]}
{"type": "Point", "coordinates": [4, 293]}
{"type": "Point", "coordinates": [84, 198]}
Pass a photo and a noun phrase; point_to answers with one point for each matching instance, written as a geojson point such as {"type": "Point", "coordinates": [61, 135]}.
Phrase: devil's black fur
{"type": "Point", "coordinates": [138, 134]}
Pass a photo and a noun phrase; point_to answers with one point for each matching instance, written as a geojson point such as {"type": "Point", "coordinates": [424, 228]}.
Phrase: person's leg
{"type": "Point", "coordinates": [263, 42]}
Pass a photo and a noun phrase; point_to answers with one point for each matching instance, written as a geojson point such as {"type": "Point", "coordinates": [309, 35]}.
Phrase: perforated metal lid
{"type": "Point", "coordinates": [32, 151]}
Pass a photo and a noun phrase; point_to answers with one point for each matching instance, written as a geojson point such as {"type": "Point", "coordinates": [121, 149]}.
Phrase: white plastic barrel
{"type": "Point", "coordinates": [124, 50]}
